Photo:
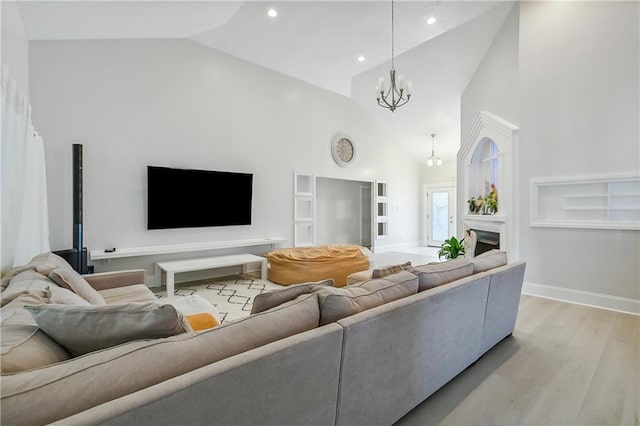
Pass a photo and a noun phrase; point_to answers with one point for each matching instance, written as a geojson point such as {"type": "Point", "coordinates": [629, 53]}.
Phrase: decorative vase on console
{"type": "Point", "coordinates": [481, 206]}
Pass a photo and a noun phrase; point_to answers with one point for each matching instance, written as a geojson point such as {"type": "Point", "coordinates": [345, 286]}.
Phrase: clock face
{"type": "Point", "coordinates": [342, 150]}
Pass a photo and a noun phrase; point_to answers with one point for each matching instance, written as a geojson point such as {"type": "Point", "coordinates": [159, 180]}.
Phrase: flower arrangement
{"type": "Point", "coordinates": [487, 204]}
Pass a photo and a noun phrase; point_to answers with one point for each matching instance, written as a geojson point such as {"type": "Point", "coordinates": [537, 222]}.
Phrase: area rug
{"type": "Point", "coordinates": [231, 296]}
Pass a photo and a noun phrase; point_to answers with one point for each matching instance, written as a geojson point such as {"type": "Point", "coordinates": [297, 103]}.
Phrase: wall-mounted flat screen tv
{"type": "Point", "coordinates": [186, 198]}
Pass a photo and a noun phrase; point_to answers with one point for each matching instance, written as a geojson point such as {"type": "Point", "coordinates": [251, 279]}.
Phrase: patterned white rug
{"type": "Point", "coordinates": [231, 296]}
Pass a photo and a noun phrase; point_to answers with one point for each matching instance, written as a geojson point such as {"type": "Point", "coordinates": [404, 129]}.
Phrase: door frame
{"type": "Point", "coordinates": [426, 206]}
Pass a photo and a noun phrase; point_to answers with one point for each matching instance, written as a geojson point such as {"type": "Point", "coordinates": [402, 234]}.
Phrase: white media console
{"type": "Point", "coordinates": [183, 248]}
{"type": "Point", "coordinates": [171, 267]}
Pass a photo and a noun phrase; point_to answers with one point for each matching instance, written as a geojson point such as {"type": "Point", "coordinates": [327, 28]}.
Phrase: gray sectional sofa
{"type": "Point", "coordinates": [280, 366]}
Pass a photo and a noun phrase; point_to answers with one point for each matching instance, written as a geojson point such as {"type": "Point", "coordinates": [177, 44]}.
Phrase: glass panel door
{"type": "Point", "coordinates": [440, 214]}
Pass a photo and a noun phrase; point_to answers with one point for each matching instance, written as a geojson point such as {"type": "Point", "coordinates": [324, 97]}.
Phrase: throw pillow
{"type": "Point", "coordinates": [26, 282]}
{"type": "Point", "coordinates": [439, 273]}
{"type": "Point", "coordinates": [338, 303]}
{"type": "Point", "coordinates": [390, 270]}
{"type": "Point", "coordinates": [70, 279]}
{"type": "Point", "coordinates": [47, 261]}
{"type": "Point", "coordinates": [83, 329]}
{"type": "Point", "coordinates": [270, 299]}
{"type": "Point", "coordinates": [199, 313]}
{"type": "Point", "coordinates": [489, 260]}
{"type": "Point", "coordinates": [63, 296]}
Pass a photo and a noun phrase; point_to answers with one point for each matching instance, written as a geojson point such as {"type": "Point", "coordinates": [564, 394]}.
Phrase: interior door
{"type": "Point", "coordinates": [440, 215]}
{"type": "Point", "coordinates": [366, 225]}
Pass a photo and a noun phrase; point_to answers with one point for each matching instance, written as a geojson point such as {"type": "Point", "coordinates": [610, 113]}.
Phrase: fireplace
{"type": "Point", "coordinates": [486, 161]}
{"type": "Point", "coordinates": [486, 240]}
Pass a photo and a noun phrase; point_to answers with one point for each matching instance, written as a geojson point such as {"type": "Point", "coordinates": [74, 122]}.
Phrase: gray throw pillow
{"type": "Point", "coordinates": [338, 303]}
{"type": "Point", "coordinates": [271, 299]}
{"type": "Point", "coordinates": [439, 273]}
{"type": "Point", "coordinates": [489, 260]}
{"type": "Point", "coordinates": [83, 329]}
{"type": "Point", "coordinates": [390, 270]}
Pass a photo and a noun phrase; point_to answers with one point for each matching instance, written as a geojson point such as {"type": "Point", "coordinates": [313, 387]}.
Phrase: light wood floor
{"type": "Point", "coordinates": [565, 364]}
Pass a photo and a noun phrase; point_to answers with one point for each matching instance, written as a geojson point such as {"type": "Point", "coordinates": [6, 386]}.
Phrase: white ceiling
{"type": "Point", "coordinates": [314, 41]}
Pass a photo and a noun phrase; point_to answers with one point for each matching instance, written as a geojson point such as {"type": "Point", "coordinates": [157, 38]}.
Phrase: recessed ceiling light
{"type": "Point", "coordinates": [431, 20]}
{"type": "Point", "coordinates": [272, 13]}
{"type": "Point", "coordinates": [361, 58]}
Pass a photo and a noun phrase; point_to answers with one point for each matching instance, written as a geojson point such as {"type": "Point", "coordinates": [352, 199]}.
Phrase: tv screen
{"type": "Point", "coordinates": [184, 198]}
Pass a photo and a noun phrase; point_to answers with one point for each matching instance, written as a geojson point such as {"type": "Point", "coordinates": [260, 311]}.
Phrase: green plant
{"type": "Point", "coordinates": [451, 248]}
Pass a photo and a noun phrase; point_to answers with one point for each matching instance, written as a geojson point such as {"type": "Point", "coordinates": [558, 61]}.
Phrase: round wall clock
{"type": "Point", "coordinates": [342, 150]}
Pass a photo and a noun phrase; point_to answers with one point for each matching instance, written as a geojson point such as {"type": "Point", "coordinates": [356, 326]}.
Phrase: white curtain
{"type": "Point", "coordinates": [25, 217]}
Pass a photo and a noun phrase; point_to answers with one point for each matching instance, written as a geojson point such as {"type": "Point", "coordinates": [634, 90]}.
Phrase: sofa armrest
{"type": "Point", "coordinates": [105, 280]}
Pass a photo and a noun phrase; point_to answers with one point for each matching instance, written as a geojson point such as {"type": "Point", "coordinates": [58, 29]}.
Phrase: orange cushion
{"type": "Point", "coordinates": [201, 321]}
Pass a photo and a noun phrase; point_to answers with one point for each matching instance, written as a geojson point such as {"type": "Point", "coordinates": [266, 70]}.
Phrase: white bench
{"type": "Point", "coordinates": [189, 265]}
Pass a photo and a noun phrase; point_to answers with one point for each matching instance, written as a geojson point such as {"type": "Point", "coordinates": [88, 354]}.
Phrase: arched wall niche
{"type": "Point", "coordinates": [483, 167]}
{"type": "Point", "coordinates": [488, 155]}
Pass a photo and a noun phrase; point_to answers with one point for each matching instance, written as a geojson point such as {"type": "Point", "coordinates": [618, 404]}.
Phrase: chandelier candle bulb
{"type": "Point", "coordinates": [401, 81]}
{"type": "Point", "coordinates": [409, 84]}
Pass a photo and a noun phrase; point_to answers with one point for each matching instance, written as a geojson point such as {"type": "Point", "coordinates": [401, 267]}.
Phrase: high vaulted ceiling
{"type": "Point", "coordinates": [317, 42]}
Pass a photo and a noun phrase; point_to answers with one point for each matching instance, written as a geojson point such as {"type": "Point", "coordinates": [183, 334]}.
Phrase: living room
{"type": "Point", "coordinates": [565, 73]}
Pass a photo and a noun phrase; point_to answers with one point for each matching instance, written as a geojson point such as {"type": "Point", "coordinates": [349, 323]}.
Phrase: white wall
{"type": "Point", "coordinates": [15, 45]}
{"type": "Point", "coordinates": [579, 86]}
{"type": "Point", "coordinates": [494, 86]}
{"type": "Point", "coordinates": [576, 103]}
{"type": "Point", "coordinates": [338, 211]}
{"type": "Point", "coordinates": [133, 103]}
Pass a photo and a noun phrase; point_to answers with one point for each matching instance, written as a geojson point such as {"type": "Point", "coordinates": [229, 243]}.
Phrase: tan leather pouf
{"type": "Point", "coordinates": [300, 265]}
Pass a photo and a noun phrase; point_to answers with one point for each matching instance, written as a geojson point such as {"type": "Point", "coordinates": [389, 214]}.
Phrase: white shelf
{"type": "Point", "coordinates": [593, 202]}
{"type": "Point", "coordinates": [182, 248]}
{"type": "Point", "coordinates": [382, 210]}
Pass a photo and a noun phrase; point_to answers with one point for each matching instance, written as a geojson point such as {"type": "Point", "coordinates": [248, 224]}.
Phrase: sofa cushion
{"type": "Point", "coordinates": [489, 260]}
{"type": "Point", "coordinates": [70, 279]}
{"type": "Point", "coordinates": [435, 274]}
{"type": "Point", "coordinates": [127, 294]}
{"type": "Point", "coordinates": [270, 299]}
{"type": "Point", "coordinates": [25, 347]}
{"type": "Point", "coordinates": [390, 270]}
{"type": "Point", "coordinates": [83, 329]}
{"type": "Point", "coordinates": [106, 375]}
{"type": "Point", "coordinates": [337, 303]}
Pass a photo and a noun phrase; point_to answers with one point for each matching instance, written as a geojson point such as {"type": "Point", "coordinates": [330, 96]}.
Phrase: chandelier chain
{"type": "Point", "coordinates": [392, 35]}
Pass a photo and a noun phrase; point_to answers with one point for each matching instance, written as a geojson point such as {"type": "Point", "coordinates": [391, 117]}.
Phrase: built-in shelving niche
{"type": "Point", "coordinates": [595, 202]}
{"type": "Point", "coordinates": [382, 208]}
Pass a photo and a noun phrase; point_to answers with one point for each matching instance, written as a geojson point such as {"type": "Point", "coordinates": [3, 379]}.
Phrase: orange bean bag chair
{"type": "Point", "coordinates": [301, 265]}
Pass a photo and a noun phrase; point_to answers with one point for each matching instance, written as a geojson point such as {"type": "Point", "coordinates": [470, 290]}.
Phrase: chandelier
{"type": "Point", "coordinates": [398, 92]}
{"type": "Point", "coordinates": [433, 157]}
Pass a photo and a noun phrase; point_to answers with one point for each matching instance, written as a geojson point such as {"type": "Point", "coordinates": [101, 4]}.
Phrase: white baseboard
{"type": "Point", "coordinates": [587, 298]}
{"type": "Point", "coordinates": [397, 246]}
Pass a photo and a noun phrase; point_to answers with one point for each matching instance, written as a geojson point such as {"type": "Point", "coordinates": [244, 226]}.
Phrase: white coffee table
{"type": "Point", "coordinates": [189, 265]}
